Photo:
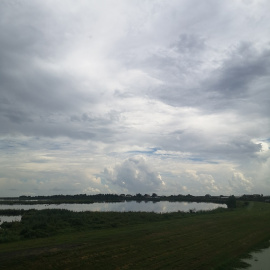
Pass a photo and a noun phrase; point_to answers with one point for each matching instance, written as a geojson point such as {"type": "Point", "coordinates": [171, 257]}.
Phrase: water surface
{"type": "Point", "coordinates": [260, 260]}
{"type": "Point", "coordinates": [126, 206]}
{"type": "Point", "coordinates": [9, 218]}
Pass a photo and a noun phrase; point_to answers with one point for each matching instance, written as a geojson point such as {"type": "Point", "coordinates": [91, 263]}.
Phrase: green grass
{"type": "Point", "coordinates": [213, 240]}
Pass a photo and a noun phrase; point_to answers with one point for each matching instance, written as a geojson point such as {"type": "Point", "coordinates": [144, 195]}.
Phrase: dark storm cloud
{"type": "Point", "coordinates": [33, 85]}
{"type": "Point", "coordinates": [37, 94]}
{"type": "Point", "coordinates": [242, 77]}
{"type": "Point", "coordinates": [244, 74]}
{"type": "Point", "coordinates": [38, 97]}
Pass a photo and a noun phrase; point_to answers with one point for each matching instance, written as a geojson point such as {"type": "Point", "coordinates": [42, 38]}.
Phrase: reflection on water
{"type": "Point", "coordinates": [260, 260]}
{"type": "Point", "coordinates": [9, 219]}
{"type": "Point", "coordinates": [157, 207]}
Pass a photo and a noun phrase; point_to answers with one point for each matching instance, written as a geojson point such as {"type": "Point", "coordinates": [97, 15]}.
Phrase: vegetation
{"type": "Point", "coordinates": [231, 202]}
{"type": "Point", "coordinates": [60, 239]}
{"type": "Point", "coordinates": [83, 198]}
{"type": "Point", "coordinates": [11, 212]}
{"type": "Point", "coordinates": [49, 222]}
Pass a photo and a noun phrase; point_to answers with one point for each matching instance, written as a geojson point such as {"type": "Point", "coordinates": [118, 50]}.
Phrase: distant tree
{"type": "Point", "coordinates": [231, 202]}
{"type": "Point", "coordinates": [154, 195]}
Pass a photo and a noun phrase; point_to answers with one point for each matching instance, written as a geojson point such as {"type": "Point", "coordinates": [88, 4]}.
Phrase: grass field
{"type": "Point", "coordinates": [213, 240]}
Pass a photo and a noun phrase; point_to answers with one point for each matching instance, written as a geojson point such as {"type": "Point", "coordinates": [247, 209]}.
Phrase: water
{"type": "Point", "coordinates": [9, 218]}
{"type": "Point", "coordinates": [143, 206]}
{"type": "Point", "coordinates": [260, 260]}
{"type": "Point", "coordinates": [126, 206]}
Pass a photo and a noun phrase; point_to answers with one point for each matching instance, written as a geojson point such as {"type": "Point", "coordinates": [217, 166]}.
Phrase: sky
{"type": "Point", "coordinates": [166, 97]}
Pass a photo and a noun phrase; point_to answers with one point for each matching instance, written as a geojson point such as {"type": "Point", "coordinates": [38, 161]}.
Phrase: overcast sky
{"type": "Point", "coordinates": [138, 96]}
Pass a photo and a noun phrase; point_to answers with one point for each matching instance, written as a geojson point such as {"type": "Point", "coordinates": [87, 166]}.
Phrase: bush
{"type": "Point", "coordinates": [231, 203]}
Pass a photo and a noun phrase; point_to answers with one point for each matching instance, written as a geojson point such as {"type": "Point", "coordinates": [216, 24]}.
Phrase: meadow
{"type": "Point", "coordinates": [61, 239]}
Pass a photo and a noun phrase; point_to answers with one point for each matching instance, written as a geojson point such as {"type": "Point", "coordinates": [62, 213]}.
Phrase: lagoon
{"type": "Point", "coordinates": [125, 206]}
{"type": "Point", "coordinates": [9, 218]}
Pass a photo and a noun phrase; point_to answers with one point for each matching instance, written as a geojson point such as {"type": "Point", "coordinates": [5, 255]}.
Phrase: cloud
{"type": "Point", "coordinates": [135, 175]}
{"type": "Point", "coordinates": [239, 182]}
{"type": "Point", "coordinates": [241, 81]}
{"type": "Point", "coordinates": [86, 86]}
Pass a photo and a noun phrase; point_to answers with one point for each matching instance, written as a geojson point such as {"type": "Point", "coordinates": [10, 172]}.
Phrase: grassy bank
{"type": "Point", "coordinates": [147, 241]}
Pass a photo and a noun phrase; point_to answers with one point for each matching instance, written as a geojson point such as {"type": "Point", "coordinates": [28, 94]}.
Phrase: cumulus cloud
{"type": "Point", "coordinates": [135, 175]}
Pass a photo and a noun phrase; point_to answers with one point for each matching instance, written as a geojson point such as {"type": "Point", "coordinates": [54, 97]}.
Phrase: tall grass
{"type": "Point", "coordinates": [49, 222]}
